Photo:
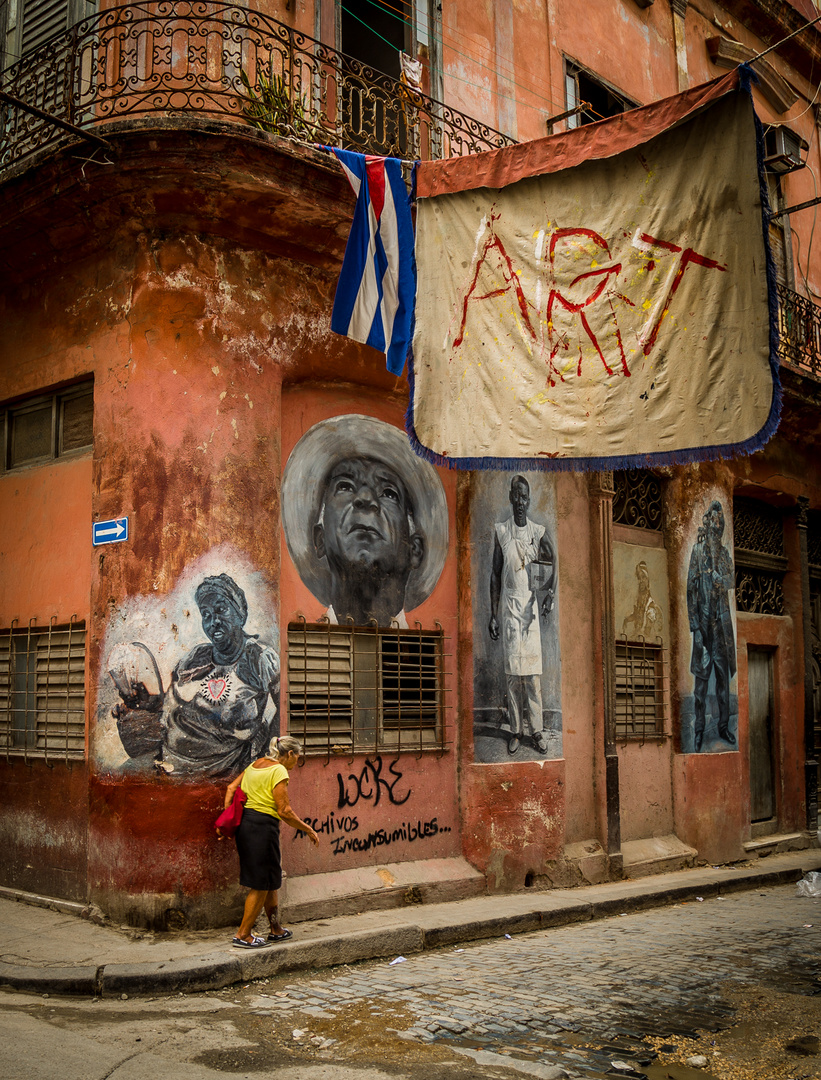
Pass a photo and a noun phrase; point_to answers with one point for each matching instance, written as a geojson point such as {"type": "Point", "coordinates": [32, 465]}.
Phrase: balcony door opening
{"type": "Point", "coordinates": [762, 739]}
{"type": "Point", "coordinates": [374, 33]}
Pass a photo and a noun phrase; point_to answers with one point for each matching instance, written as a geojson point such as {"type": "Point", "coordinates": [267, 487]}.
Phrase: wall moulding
{"type": "Point", "coordinates": [726, 53]}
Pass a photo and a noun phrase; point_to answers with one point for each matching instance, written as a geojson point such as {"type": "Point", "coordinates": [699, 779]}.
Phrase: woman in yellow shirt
{"type": "Point", "coordinates": [265, 782]}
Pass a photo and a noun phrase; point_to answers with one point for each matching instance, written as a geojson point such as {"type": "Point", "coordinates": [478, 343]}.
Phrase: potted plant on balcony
{"type": "Point", "coordinates": [271, 107]}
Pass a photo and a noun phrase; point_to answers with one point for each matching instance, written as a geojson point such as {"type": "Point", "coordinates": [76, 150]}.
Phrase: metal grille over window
{"type": "Point", "coordinates": [760, 562]}
{"type": "Point", "coordinates": [42, 692]}
{"type": "Point", "coordinates": [365, 688]}
{"type": "Point", "coordinates": [641, 689]}
{"type": "Point", "coordinates": [637, 499]}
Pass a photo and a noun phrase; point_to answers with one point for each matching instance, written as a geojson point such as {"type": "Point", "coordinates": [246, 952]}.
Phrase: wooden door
{"type": "Point", "coordinates": [762, 771]}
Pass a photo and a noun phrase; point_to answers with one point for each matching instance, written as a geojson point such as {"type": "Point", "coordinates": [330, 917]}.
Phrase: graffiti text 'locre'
{"type": "Point", "coordinates": [370, 784]}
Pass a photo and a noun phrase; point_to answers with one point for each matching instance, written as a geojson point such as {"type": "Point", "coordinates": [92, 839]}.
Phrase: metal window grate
{"type": "Point", "coordinates": [42, 691]}
{"type": "Point", "coordinates": [760, 560]}
{"type": "Point", "coordinates": [637, 499]}
{"type": "Point", "coordinates": [641, 689]}
{"type": "Point", "coordinates": [365, 688]}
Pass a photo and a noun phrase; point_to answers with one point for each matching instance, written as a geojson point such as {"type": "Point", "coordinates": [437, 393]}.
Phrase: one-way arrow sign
{"type": "Point", "coordinates": [109, 532]}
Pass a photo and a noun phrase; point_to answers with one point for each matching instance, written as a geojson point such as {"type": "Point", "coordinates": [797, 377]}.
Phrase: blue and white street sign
{"type": "Point", "coordinates": [109, 532]}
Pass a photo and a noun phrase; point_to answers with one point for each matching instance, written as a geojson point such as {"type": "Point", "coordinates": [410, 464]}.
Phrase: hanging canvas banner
{"type": "Point", "coordinates": [600, 298]}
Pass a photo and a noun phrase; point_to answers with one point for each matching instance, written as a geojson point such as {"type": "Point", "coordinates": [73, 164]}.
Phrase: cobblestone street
{"type": "Point", "coordinates": [574, 1000]}
{"type": "Point", "coordinates": [724, 989]}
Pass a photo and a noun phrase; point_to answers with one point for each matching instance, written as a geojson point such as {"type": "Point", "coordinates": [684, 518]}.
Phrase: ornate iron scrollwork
{"type": "Point", "coordinates": [759, 557]}
{"type": "Point", "coordinates": [637, 499]}
{"type": "Point", "coordinates": [758, 527]}
{"type": "Point", "coordinates": [759, 591]}
{"type": "Point", "coordinates": [799, 330]}
{"type": "Point", "coordinates": [225, 61]}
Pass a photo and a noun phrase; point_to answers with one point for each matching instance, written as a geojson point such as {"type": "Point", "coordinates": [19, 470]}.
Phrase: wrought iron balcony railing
{"type": "Point", "coordinates": [799, 326]}
{"type": "Point", "coordinates": [174, 57]}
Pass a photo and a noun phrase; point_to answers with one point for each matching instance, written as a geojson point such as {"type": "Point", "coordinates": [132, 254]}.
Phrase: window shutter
{"type": "Point", "coordinates": [640, 691]}
{"type": "Point", "coordinates": [320, 688]}
{"type": "Point", "coordinates": [59, 679]}
{"type": "Point", "coordinates": [364, 688]}
{"type": "Point", "coordinates": [42, 20]}
{"type": "Point", "coordinates": [42, 692]}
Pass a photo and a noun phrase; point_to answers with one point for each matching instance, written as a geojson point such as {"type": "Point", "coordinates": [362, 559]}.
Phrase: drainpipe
{"type": "Point", "coordinates": [810, 764]}
{"type": "Point", "coordinates": [680, 40]}
{"type": "Point", "coordinates": [601, 491]}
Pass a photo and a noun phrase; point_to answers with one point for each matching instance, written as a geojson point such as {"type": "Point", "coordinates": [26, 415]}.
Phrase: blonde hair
{"type": "Point", "coordinates": [285, 745]}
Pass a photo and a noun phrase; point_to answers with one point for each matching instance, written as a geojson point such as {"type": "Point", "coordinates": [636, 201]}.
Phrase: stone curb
{"type": "Point", "coordinates": [226, 967]}
{"type": "Point", "coordinates": [75, 981]}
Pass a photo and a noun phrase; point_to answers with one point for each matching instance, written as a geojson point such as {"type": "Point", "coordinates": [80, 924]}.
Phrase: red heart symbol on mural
{"type": "Point", "coordinates": [216, 688]}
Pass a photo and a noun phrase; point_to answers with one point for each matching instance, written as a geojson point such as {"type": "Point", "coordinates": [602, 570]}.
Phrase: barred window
{"type": "Point", "coordinates": [364, 688]}
{"type": "Point", "coordinates": [48, 426]}
{"type": "Point", "coordinates": [42, 691]}
{"type": "Point", "coordinates": [640, 689]}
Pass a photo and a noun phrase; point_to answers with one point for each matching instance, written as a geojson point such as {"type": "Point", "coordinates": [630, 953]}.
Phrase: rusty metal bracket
{"type": "Point", "coordinates": [41, 114]}
{"type": "Point", "coordinates": [798, 206]}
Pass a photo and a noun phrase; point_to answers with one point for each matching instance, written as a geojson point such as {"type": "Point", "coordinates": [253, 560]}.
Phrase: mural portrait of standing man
{"type": "Point", "coordinates": [516, 666]}
{"type": "Point", "coordinates": [710, 584]}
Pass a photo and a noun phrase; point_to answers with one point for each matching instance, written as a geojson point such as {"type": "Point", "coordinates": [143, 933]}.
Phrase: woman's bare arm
{"type": "Point", "coordinates": [286, 813]}
{"type": "Point", "coordinates": [232, 787]}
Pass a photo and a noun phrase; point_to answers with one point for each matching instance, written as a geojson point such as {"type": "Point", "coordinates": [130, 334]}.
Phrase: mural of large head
{"type": "Point", "coordinates": [365, 519]}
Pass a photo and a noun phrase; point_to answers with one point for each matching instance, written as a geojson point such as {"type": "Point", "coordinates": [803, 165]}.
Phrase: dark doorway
{"type": "Point", "coordinates": [762, 764]}
{"type": "Point", "coordinates": [374, 33]}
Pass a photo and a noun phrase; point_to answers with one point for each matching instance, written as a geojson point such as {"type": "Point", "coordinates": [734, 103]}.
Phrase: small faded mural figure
{"type": "Point", "coordinates": [523, 566]}
{"type": "Point", "coordinates": [709, 579]}
{"type": "Point", "coordinates": [646, 617]}
{"type": "Point", "coordinates": [365, 520]}
{"type": "Point", "coordinates": [212, 717]}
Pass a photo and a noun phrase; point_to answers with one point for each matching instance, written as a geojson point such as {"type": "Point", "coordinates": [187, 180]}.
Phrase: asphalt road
{"type": "Point", "coordinates": [731, 979]}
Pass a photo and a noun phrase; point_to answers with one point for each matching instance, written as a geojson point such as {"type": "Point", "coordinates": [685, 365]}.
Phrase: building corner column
{"type": "Point", "coordinates": [810, 763]}
{"type": "Point", "coordinates": [601, 492]}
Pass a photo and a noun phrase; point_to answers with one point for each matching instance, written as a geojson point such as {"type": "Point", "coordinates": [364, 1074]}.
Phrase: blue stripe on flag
{"type": "Point", "coordinates": [377, 286]}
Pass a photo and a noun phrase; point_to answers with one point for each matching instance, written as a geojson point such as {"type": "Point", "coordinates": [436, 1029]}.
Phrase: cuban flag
{"type": "Point", "coordinates": [377, 287]}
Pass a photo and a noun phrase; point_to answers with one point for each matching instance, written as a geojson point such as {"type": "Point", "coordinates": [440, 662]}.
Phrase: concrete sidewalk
{"type": "Point", "coordinates": [56, 952]}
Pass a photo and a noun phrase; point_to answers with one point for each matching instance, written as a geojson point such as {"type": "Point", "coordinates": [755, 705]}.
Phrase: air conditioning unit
{"type": "Point", "coordinates": [782, 149]}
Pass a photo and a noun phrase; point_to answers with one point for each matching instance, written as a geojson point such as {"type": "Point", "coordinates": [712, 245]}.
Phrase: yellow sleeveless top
{"type": "Point", "coordinates": [259, 784]}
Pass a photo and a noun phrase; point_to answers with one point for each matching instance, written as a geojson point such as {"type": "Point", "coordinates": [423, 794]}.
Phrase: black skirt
{"type": "Point", "coordinates": [257, 838]}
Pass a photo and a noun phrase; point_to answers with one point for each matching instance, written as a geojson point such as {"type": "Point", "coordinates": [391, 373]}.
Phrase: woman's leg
{"type": "Point", "coordinates": [254, 902]}
{"type": "Point", "coordinates": [272, 911]}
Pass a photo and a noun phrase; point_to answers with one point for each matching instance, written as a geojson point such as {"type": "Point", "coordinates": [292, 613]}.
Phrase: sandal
{"type": "Point", "coordinates": [254, 943]}
{"type": "Point", "coordinates": [280, 937]}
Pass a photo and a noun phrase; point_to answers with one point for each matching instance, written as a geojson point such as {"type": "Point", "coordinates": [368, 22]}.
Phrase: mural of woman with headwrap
{"type": "Point", "coordinates": [212, 717]}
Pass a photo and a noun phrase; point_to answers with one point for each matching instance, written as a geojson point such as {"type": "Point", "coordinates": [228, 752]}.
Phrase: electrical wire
{"type": "Point", "coordinates": [485, 89]}
{"type": "Point", "coordinates": [396, 13]}
{"type": "Point", "coordinates": [800, 30]}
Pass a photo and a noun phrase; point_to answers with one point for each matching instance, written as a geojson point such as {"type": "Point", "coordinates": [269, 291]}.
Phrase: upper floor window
{"type": "Point", "coordinates": [602, 99]}
{"type": "Point", "coordinates": [48, 426]}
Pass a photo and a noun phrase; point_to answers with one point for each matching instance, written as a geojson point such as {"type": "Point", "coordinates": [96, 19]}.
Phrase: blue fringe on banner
{"type": "Point", "coordinates": [747, 77]}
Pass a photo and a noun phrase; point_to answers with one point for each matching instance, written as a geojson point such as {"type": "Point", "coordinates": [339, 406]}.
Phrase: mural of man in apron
{"type": "Point", "coordinates": [523, 565]}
